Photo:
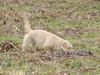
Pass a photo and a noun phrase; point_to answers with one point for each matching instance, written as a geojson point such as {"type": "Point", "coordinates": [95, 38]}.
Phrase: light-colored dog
{"type": "Point", "coordinates": [42, 39]}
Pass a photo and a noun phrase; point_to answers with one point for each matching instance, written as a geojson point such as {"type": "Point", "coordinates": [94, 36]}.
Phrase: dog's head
{"type": "Point", "coordinates": [66, 45]}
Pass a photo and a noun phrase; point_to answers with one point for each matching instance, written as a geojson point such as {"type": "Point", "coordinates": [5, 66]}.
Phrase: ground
{"type": "Point", "coordinates": [75, 20]}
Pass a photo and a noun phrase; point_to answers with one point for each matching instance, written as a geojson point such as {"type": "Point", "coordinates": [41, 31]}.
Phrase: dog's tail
{"type": "Point", "coordinates": [27, 25]}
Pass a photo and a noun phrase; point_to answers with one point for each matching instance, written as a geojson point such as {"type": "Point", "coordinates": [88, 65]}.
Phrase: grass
{"type": "Point", "coordinates": [81, 17]}
{"type": "Point", "coordinates": [15, 39]}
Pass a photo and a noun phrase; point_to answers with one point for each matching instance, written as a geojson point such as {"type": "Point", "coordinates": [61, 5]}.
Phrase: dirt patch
{"type": "Point", "coordinates": [73, 32]}
{"type": "Point", "coordinates": [7, 46]}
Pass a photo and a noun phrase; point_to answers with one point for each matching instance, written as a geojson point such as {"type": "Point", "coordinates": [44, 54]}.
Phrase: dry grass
{"type": "Point", "coordinates": [75, 20]}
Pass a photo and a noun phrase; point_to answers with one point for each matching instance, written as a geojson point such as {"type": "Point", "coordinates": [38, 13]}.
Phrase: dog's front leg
{"type": "Point", "coordinates": [26, 42]}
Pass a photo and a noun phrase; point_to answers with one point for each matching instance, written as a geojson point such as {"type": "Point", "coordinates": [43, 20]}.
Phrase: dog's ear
{"type": "Point", "coordinates": [65, 46]}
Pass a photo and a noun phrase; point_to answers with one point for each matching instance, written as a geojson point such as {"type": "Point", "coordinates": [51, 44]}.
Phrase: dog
{"type": "Point", "coordinates": [42, 39]}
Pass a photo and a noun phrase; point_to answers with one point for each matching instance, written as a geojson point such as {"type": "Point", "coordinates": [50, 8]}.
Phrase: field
{"type": "Point", "coordinates": [75, 20]}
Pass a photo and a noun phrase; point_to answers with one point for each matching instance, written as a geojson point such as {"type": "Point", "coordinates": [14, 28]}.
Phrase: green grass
{"type": "Point", "coordinates": [4, 38]}
{"type": "Point", "coordinates": [82, 16]}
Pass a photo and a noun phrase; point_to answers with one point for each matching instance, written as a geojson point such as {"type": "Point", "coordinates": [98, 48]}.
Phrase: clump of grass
{"type": "Point", "coordinates": [82, 15]}
{"type": "Point", "coordinates": [4, 38]}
